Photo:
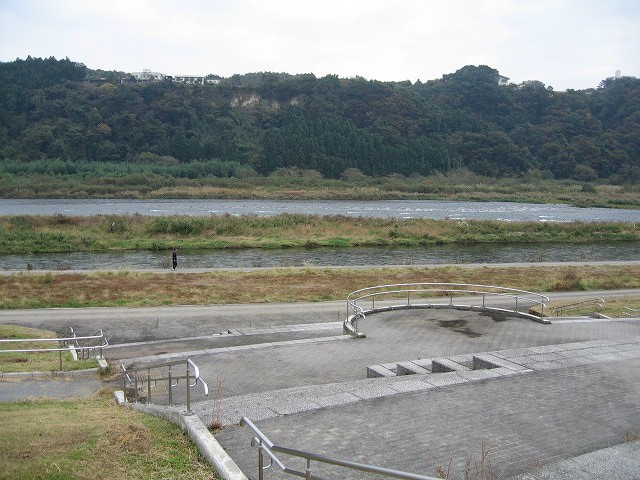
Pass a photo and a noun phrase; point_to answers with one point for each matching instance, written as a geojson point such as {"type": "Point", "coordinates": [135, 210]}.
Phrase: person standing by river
{"type": "Point", "coordinates": [174, 258]}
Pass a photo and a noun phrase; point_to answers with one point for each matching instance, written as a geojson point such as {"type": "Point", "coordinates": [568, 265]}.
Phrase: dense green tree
{"type": "Point", "coordinates": [57, 116]}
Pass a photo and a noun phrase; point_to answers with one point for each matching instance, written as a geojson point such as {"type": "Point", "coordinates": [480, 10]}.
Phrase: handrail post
{"type": "Point", "coordinates": [308, 471]}
{"type": "Point", "coordinates": [148, 386]}
{"type": "Point", "coordinates": [188, 412]}
{"type": "Point", "coordinates": [260, 461]}
{"type": "Point", "coordinates": [516, 304]}
{"type": "Point", "coordinates": [60, 356]}
{"type": "Point", "coordinates": [170, 386]}
{"type": "Point", "coordinates": [408, 298]}
{"type": "Point", "coordinates": [135, 382]}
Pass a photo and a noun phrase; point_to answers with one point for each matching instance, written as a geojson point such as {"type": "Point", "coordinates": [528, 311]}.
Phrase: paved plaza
{"type": "Point", "coordinates": [527, 395]}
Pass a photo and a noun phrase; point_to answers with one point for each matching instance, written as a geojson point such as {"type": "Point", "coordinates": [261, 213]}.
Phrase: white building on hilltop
{"type": "Point", "coordinates": [197, 79]}
{"type": "Point", "coordinates": [147, 75]}
{"type": "Point", "coordinates": [502, 80]}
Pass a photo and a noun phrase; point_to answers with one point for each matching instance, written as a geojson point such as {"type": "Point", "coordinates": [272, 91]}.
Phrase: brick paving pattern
{"type": "Point", "coordinates": [524, 421]}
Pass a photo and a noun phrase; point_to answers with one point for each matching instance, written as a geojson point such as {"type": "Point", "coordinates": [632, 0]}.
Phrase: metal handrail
{"type": "Point", "coordinates": [266, 446]}
{"type": "Point", "coordinates": [64, 343]}
{"type": "Point", "coordinates": [152, 381]}
{"type": "Point", "coordinates": [631, 312]}
{"type": "Point", "coordinates": [448, 289]}
{"type": "Point", "coordinates": [597, 303]}
{"type": "Point", "coordinates": [99, 335]}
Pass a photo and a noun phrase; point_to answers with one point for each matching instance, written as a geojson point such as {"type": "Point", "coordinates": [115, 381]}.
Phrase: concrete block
{"type": "Point", "coordinates": [335, 399]}
{"type": "Point", "coordinates": [485, 361]}
{"type": "Point", "coordinates": [445, 379]}
{"type": "Point", "coordinates": [442, 365]}
{"type": "Point", "coordinates": [373, 391]}
{"type": "Point", "coordinates": [465, 359]}
{"type": "Point", "coordinates": [424, 363]}
{"type": "Point", "coordinates": [374, 371]}
{"type": "Point", "coordinates": [406, 386]}
{"type": "Point", "coordinates": [410, 368]}
{"type": "Point", "coordinates": [479, 374]}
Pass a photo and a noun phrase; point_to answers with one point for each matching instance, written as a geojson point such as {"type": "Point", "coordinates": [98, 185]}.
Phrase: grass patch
{"type": "Point", "coordinates": [458, 185]}
{"type": "Point", "coordinates": [93, 439]}
{"type": "Point", "coordinates": [285, 285]}
{"type": "Point", "coordinates": [35, 361]}
{"type": "Point", "coordinates": [613, 306]}
{"type": "Point", "coordinates": [44, 234]}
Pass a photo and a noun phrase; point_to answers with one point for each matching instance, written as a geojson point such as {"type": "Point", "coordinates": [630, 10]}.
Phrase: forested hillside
{"type": "Point", "coordinates": [58, 117]}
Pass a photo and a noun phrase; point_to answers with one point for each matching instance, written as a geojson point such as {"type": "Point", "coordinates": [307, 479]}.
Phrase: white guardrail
{"type": "Point", "coordinates": [461, 296]}
{"type": "Point", "coordinates": [83, 347]}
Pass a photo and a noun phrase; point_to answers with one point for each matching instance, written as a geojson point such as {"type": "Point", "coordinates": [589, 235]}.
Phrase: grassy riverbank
{"type": "Point", "coordinates": [59, 233]}
{"type": "Point", "coordinates": [296, 184]}
{"type": "Point", "coordinates": [49, 439]}
{"type": "Point", "coordinates": [27, 290]}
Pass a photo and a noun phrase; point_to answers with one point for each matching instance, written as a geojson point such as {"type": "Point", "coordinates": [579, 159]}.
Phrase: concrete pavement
{"type": "Point", "coordinates": [523, 421]}
{"type": "Point", "coordinates": [316, 395]}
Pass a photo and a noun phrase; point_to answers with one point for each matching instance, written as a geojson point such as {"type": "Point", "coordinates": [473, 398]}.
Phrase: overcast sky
{"type": "Point", "coordinates": [563, 43]}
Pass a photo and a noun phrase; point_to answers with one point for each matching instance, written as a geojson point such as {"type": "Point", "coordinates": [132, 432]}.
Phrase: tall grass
{"type": "Point", "coordinates": [284, 285]}
{"type": "Point", "coordinates": [230, 180]}
{"type": "Point", "coordinates": [36, 234]}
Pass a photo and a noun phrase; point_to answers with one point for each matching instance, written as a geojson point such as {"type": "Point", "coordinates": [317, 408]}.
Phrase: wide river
{"type": "Point", "coordinates": [381, 209]}
{"type": "Point", "coordinates": [321, 257]}
{"type": "Point", "coordinates": [250, 258]}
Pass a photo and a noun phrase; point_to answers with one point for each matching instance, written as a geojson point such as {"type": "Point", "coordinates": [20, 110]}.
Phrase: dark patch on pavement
{"type": "Point", "coordinates": [459, 326]}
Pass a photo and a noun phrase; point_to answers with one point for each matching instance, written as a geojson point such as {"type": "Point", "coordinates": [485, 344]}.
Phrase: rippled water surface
{"type": "Point", "coordinates": [248, 258]}
{"type": "Point", "coordinates": [382, 209]}
{"type": "Point", "coordinates": [353, 256]}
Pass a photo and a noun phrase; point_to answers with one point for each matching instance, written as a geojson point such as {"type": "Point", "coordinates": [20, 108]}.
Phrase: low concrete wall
{"type": "Point", "coordinates": [199, 434]}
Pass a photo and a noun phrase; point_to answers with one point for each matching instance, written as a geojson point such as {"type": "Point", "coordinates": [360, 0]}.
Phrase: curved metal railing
{"type": "Point", "coordinates": [592, 303]}
{"type": "Point", "coordinates": [267, 447]}
{"type": "Point", "coordinates": [513, 301]}
{"type": "Point", "coordinates": [140, 379]}
{"type": "Point", "coordinates": [631, 312]}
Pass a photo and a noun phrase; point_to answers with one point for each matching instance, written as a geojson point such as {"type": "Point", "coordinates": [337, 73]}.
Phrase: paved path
{"type": "Point", "coordinates": [392, 336]}
{"type": "Point", "coordinates": [524, 421]}
{"type": "Point", "coordinates": [20, 388]}
{"type": "Point", "coordinates": [555, 412]}
{"type": "Point", "coordinates": [134, 324]}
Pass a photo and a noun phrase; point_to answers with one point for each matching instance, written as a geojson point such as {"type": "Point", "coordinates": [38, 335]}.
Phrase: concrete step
{"type": "Point", "coordinates": [427, 366]}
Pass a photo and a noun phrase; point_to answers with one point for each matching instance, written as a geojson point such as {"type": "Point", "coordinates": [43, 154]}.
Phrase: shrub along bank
{"type": "Point", "coordinates": [59, 233]}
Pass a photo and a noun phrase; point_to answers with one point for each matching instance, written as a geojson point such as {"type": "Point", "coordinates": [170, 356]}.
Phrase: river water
{"type": "Point", "coordinates": [319, 257]}
{"type": "Point", "coordinates": [353, 256]}
{"type": "Point", "coordinates": [434, 209]}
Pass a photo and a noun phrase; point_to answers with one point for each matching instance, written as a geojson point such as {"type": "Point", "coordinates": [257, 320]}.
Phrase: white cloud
{"type": "Point", "coordinates": [564, 43]}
